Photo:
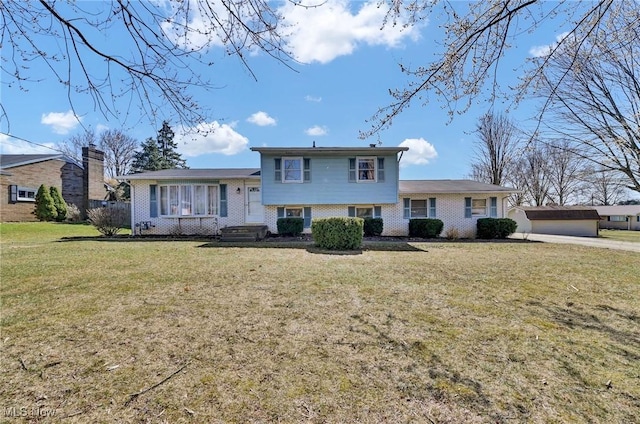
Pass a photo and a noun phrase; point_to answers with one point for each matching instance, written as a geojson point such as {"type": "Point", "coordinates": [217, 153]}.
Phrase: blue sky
{"type": "Point", "coordinates": [347, 65]}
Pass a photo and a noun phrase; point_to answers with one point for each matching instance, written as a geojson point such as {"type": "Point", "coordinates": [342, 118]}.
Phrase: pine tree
{"type": "Point", "coordinates": [159, 153]}
{"type": "Point", "coordinates": [45, 208]}
{"type": "Point", "coordinates": [148, 159]}
{"type": "Point", "coordinates": [59, 203]}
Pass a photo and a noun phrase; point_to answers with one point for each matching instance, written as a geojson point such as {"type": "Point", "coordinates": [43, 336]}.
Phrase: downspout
{"type": "Point", "coordinates": [133, 215]}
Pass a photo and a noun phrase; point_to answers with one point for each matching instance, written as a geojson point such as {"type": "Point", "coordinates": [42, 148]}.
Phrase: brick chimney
{"type": "Point", "coordinates": [92, 175]}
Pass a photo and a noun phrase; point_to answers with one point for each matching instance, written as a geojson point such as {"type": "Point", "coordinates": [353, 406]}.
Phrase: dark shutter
{"type": "Point", "coordinates": [153, 201]}
{"type": "Point", "coordinates": [306, 169]}
{"type": "Point", "coordinates": [377, 211]}
{"type": "Point", "coordinates": [407, 207]}
{"type": "Point", "coordinates": [223, 200]}
{"type": "Point", "coordinates": [380, 169]}
{"type": "Point", "coordinates": [13, 190]}
{"type": "Point", "coordinates": [467, 207]}
{"type": "Point", "coordinates": [278, 169]}
{"type": "Point", "coordinates": [351, 211]}
{"type": "Point", "coordinates": [352, 170]}
{"type": "Point", "coordinates": [307, 217]}
{"type": "Point", "coordinates": [280, 212]}
{"type": "Point", "coordinates": [432, 207]}
{"type": "Point", "coordinates": [493, 211]}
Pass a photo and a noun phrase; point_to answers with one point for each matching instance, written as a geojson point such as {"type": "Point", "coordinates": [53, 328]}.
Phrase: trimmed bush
{"type": "Point", "coordinates": [340, 233]}
{"type": "Point", "coordinates": [290, 226]}
{"type": "Point", "coordinates": [495, 228]}
{"type": "Point", "coordinates": [425, 227]}
{"type": "Point", "coordinates": [109, 221]}
{"type": "Point", "coordinates": [45, 207]}
{"type": "Point", "coordinates": [373, 227]}
{"type": "Point", "coordinates": [59, 203]}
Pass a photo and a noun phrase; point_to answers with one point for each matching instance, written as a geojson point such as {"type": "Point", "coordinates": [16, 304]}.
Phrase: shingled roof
{"type": "Point", "coordinates": [540, 213]}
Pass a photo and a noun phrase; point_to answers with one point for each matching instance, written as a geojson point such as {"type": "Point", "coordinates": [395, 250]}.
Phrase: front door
{"type": "Point", "coordinates": [255, 210]}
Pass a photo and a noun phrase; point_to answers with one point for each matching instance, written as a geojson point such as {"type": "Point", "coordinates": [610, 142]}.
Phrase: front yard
{"type": "Point", "coordinates": [621, 235]}
{"type": "Point", "coordinates": [196, 331]}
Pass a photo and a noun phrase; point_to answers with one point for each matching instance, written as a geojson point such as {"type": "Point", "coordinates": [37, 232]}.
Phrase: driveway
{"type": "Point", "coordinates": [583, 241]}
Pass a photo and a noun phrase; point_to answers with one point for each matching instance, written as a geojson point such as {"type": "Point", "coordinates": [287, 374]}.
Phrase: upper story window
{"type": "Point", "coordinates": [292, 169]}
{"type": "Point", "coordinates": [366, 169]}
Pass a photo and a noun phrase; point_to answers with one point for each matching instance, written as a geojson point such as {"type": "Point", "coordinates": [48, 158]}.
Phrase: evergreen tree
{"type": "Point", "coordinates": [59, 203]}
{"type": "Point", "coordinates": [45, 208]}
{"type": "Point", "coordinates": [147, 159]}
{"type": "Point", "coordinates": [159, 153]}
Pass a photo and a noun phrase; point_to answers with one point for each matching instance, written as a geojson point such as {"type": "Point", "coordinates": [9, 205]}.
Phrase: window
{"type": "Point", "coordinates": [618, 218]}
{"type": "Point", "coordinates": [296, 212]}
{"type": "Point", "coordinates": [188, 200]}
{"type": "Point", "coordinates": [293, 212]}
{"type": "Point", "coordinates": [365, 211]}
{"type": "Point", "coordinates": [420, 208]}
{"type": "Point", "coordinates": [478, 207]}
{"type": "Point", "coordinates": [366, 169]}
{"type": "Point", "coordinates": [26, 194]}
{"type": "Point", "coordinates": [292, 170]}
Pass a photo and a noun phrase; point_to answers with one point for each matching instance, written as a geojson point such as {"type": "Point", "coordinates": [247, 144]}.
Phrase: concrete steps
{"type": "Point", "coordinates": [243, 233]}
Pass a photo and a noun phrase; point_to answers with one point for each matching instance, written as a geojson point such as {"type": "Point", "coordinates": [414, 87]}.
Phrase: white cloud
{"type": "Point", "coordinates": [210, 138]}
{"type": "Point", "coordinates": [261, 119]}
{"type": "Point", "coordinates": [323, 33]}
{"type": "Point", "coordinates": [313, 99]}
{"type": "Point", "coordinates": [420, 152]}
{"type": "Point", "coordinates": [542, 51]}
{"type": "Point", "coordinates": [61, 123]}
{"type": "Point", "coordinates": [13, 146]}
{"type": "Point", "coordinates": [316, 130]}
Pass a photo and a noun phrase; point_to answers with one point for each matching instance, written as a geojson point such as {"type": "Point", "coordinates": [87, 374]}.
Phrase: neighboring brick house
{"type": "Point", "coordinates": [311, 182]}
{"type": "Point", "coordinates": [22, 175]}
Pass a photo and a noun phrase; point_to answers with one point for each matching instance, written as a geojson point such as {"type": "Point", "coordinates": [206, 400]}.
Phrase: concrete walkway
{"type": "Point", "coordinates": [583, 241]}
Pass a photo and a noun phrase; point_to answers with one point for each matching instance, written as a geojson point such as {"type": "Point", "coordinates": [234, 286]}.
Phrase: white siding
{"type": "Point", "coordinates": [187, 225]}
{"type": "Point", "coordinates": [449, 209]}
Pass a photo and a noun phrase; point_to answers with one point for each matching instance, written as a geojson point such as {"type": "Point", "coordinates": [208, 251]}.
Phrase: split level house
{"type": "Point", "coordinates": [307, 182]}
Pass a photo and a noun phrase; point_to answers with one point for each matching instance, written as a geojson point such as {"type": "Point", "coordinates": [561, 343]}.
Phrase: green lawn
{"type": "Point", "coordinates": [621, 235]}
{"type": "Point", "coordinates": [100, 330]}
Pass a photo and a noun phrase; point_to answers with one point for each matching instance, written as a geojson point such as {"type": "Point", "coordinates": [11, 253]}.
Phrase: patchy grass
{"type": "Point", "coordinates": [103, 331]}
{"type": "Point", "coordinates": [621, 235]}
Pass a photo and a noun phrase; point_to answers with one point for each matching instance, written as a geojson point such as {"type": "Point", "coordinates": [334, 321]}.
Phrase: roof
{"type": "Point", "coordinates": [540, 213]}
{"type": "Point", "coordinates": [194, 174]}
{"type": "Point", "coordinates": [11, 161]}
{"type": "Point", "coordinates": [326, 151]}
{"type": "Point", "coordinates": [451, 186]}
{"type": "Point", "coordinates": [624, 210]}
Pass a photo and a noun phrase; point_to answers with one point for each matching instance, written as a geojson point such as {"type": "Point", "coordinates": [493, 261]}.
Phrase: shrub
{"type": "Point", "coordinates": [495, 228]}
{"type": "Point", "coordinates": [341, 233]}
{"type": "Point", "coordinates": [109, 221]}
{"type": "Point", "coordinates": [73, 213]}
{"type": "Point", "coordinates": [373, 227]}
{"type": "Point", "coordinates": [452, 233]}
{"type": "Point", "coordinates": [425, 227]}
{"type": "Point", "coordinates": [45, 207]}
{"type": "Point", "coordinates": [59, 203]}
{"type": "Point", "coordinates": [290, 226]}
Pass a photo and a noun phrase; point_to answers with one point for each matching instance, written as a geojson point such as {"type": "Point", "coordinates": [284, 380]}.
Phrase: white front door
{"type": "Point", "coordinates": [255, 210]}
